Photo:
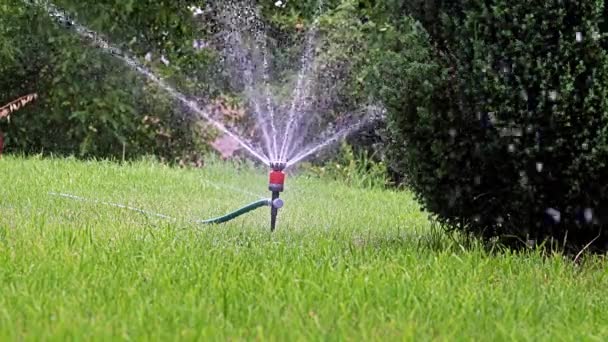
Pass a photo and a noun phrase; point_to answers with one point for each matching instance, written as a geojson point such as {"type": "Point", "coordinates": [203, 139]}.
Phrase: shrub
{"type": "Point", "coordinates": [504, 134]}
{"type": "Point", "coordinates": [406, 77]}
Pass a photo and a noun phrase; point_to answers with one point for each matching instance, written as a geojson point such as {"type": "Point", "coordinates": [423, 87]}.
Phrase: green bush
{"type": "Point", "coordinates": [504, 131]}
{"type": "Point", "coordinates": [406, 77]}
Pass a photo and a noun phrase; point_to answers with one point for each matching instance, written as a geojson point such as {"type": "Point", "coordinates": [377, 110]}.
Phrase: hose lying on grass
{"type": "Point", "coordinates": [216, 220]}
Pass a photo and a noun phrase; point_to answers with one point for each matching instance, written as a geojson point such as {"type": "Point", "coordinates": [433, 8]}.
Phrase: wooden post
{"type": "Point", "coordinates": [10, 108]}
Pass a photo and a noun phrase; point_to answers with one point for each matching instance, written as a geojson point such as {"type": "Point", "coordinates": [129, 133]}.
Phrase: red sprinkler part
{"type": "Point", "coordinates": [277, 181]}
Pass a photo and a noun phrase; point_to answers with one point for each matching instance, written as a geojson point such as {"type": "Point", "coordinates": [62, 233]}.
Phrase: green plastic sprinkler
{"type": "Point", "coordinates": [276, 185]}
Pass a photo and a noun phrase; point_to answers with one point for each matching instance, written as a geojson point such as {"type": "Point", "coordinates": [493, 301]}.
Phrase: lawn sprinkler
{"type": "Point", "coordinates": [276, 185]}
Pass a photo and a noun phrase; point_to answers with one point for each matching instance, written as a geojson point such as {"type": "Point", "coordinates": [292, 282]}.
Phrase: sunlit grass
{"type": "Point", "coordinates": [345, 263]}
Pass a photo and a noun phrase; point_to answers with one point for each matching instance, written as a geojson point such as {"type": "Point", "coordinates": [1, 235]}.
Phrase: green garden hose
{"type": "Point", "coordinates": [236, 213]}
{"type": "Point", "coordinates": [217, 220]}
{"type": "Point", "coordinates": [276, 185]}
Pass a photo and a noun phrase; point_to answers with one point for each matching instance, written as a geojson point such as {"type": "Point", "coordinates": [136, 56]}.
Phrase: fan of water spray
{"type": "Point", "coordinates": [296, 126]}
{"type": "Point", "coordinates": [290, 127]}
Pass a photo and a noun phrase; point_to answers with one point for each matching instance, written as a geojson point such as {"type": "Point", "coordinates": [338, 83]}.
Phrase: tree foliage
{"type": "Point", "coordinates": [91, 104]}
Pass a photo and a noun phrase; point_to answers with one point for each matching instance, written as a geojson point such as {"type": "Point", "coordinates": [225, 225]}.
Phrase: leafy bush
{"type": "Point", "coordinates": [504, 132]}
{"type": "Point", "coordinates": [406, 77]}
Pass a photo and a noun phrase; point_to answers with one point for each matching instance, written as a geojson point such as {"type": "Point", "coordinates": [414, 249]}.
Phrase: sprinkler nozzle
{"type": "Point", "coordinates": [278, 165]}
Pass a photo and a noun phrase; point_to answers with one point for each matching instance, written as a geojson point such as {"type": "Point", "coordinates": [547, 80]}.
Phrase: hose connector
{"type": "Point", "coordinates": [277, 203]}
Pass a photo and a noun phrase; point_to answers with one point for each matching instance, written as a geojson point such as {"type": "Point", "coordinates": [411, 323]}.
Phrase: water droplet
{"type": "Point", "coordinates": [452, 132]}
{"type": "Point", "coordinates": [523, 178]}
{"type": "Point", "coordinates": [511, 132]}
{"type": "Point", "coordinates": [196, 11]}
{"type": "Point", "coordinates": [579, 37]}
{"type": "Point", "coordinates": [511, 148]}
{"type": "Point", "coordinates": [524, 95]}
{"type": "Point", "coordinates": [588, 215]}
{"type": "Point", "coordinates": [539, 167]}
{"type": "Point", "coordinates": [554, 214]}
{"type": "Point", "coordinates": [199, 44]}
{"type": "Point", "coordinates": [585, 146]}
{"type": "Point", "coordinates": [517, 132]}
{"type": "Point", "coordinates": [280, 3]}
{"type": "Point", "coordinates": [477, 180]}
{"type": "Point", "coordinates": [492, 116]}
{"type": "Point", "coordinates": [164, 60]}
{"type": "Point", "coordinates": [553, 95]}
{"type": "Point", "coordinates": [148, 57]}
{"type": "Point", "coordinates": [530, 129]}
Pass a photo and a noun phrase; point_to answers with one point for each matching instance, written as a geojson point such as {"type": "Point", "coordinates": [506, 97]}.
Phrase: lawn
{"type": "Point", "coordinates": [344, 264]}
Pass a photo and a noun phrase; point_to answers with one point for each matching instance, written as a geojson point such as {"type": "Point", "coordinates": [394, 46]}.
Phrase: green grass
{"type": "Point", "coordinates": [345, 264]}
